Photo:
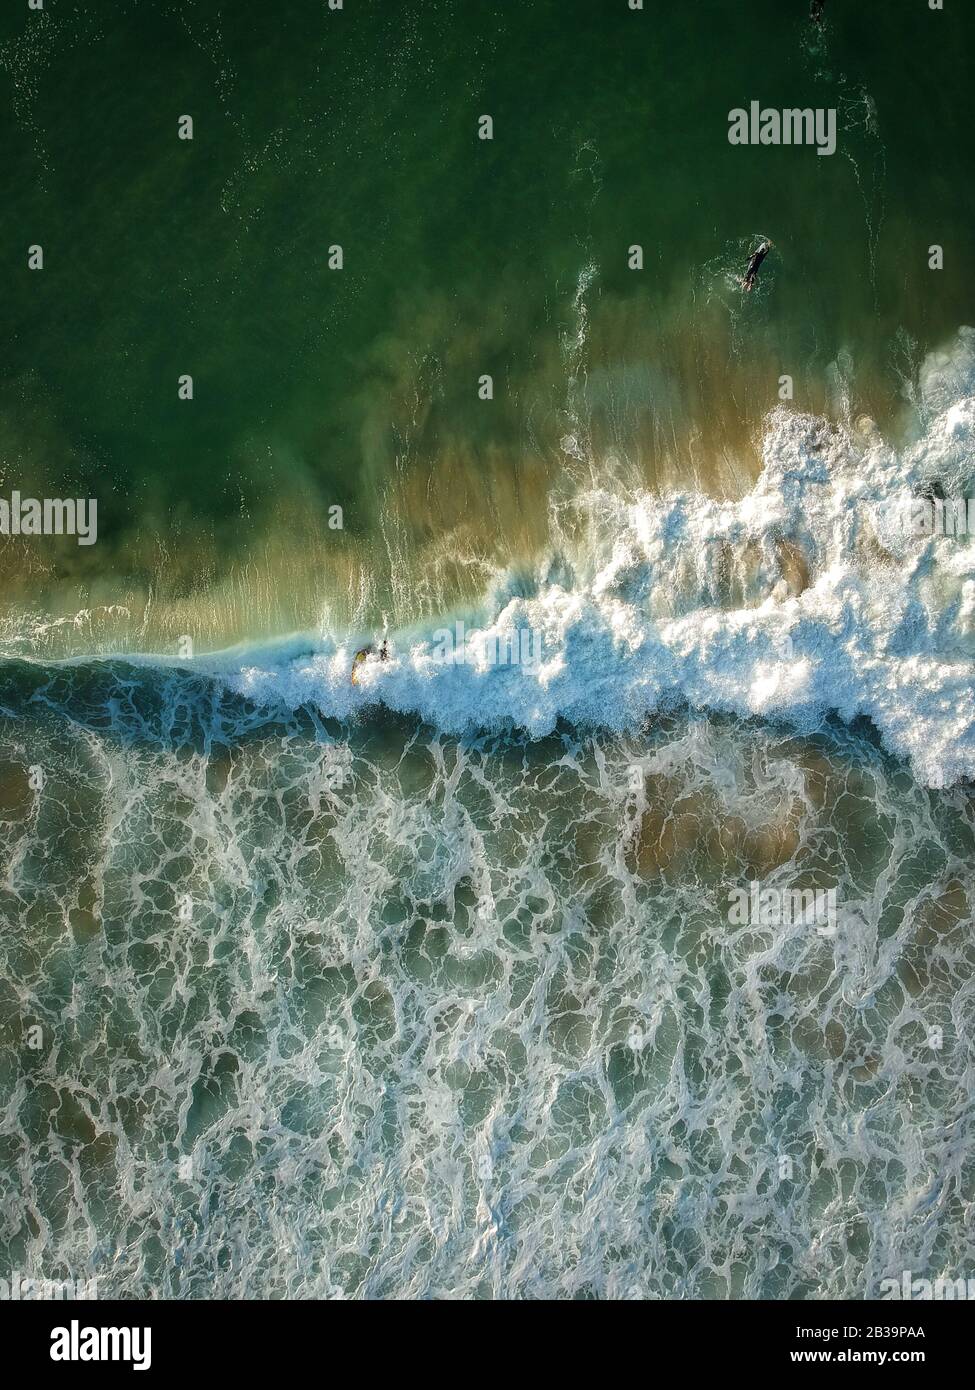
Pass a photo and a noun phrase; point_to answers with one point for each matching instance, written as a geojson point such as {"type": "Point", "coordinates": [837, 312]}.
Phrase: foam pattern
{"type": "Point", "coordinates": [369, 1010]}
{"type": "Point", "coordinates": [808, 596]}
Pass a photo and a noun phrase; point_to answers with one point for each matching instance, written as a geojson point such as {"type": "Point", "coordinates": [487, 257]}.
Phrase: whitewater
{"type": "Point", "coordinates": [807, 596]}
{"type": "Point", "coordinates": [431, 988]}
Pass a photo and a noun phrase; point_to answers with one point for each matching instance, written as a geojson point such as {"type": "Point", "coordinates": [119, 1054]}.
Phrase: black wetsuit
{"type": "Point", "coordinates": [754, 261]}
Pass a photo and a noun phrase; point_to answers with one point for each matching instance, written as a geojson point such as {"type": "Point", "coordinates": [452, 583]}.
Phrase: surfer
{"type": "Point", "coordinates": [754, 262]}
{"type": "Point", "coordinates": [364, 653]}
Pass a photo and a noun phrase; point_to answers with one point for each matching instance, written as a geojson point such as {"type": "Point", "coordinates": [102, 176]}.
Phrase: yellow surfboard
{"type": "Point", "coordinates": [357, 661]}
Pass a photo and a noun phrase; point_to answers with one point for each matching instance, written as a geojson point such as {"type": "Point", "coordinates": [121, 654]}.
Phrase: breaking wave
{"type": "Point", "coordinates": [302, 997]}
{"type": "Point", "coordinates": [807, 596]}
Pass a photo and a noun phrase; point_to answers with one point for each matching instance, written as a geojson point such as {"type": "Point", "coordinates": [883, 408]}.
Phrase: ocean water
{"type": "Point", "coordinates": [357, 388]}
{"type": "Point", "coordinates": [429, 986]}
{"type": "Point", "coordinates": [376, 1011]}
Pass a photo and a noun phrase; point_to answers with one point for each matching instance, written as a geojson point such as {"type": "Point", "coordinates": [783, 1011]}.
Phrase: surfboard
{"type": "Point", "coordinates": [357, 661]}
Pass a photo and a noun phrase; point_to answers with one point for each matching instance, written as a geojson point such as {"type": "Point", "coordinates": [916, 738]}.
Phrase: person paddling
{"type": "Point", "coordinates": [754, 262]}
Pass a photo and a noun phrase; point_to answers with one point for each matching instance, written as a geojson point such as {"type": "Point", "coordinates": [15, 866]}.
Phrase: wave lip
{"type": "Point", "coordinates": [807, 596]}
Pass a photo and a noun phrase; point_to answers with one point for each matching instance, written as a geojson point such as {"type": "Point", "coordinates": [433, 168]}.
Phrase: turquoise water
{"type": "Point", "coordinates": [429, 986]}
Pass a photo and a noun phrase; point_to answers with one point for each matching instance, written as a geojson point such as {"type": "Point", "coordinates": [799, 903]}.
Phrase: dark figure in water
{"type": "Point", "coordinates": [816, 11]}
{"type": "Point", "coordinates": [754, 261]}
{"type": "Point", "coordinates": [365, 652]}
{"type": "Point", "coordinates": [931, 492]}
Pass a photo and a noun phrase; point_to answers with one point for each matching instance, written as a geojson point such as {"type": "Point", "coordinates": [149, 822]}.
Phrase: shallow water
{"type": "Point", "coordinates": [366, 1010]}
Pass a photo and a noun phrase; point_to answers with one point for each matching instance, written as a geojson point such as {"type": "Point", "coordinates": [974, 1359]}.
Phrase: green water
{"type": "Point", "coordinates": [358, 388]}
{"type": "Point", "coordinates": [429, 987]}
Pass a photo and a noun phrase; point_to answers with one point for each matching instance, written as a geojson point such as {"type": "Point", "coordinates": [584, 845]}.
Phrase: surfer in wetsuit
{"type": "Point", "coordinates": [364, 653]}
{"type": "Point", "coordinates": [754, 262]}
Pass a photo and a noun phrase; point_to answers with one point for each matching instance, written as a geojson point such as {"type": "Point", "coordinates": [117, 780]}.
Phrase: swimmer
{"type": "Point", "coordinates": [754, 262]}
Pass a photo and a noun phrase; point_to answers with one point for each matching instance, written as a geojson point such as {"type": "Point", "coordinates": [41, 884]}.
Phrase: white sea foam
{"type": "Point", "coordinates": [371, 1012]}
{"type": "Point", "coordinates": [413, 1017]}
{"type": "Point", "coordinates": [802, 598]}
